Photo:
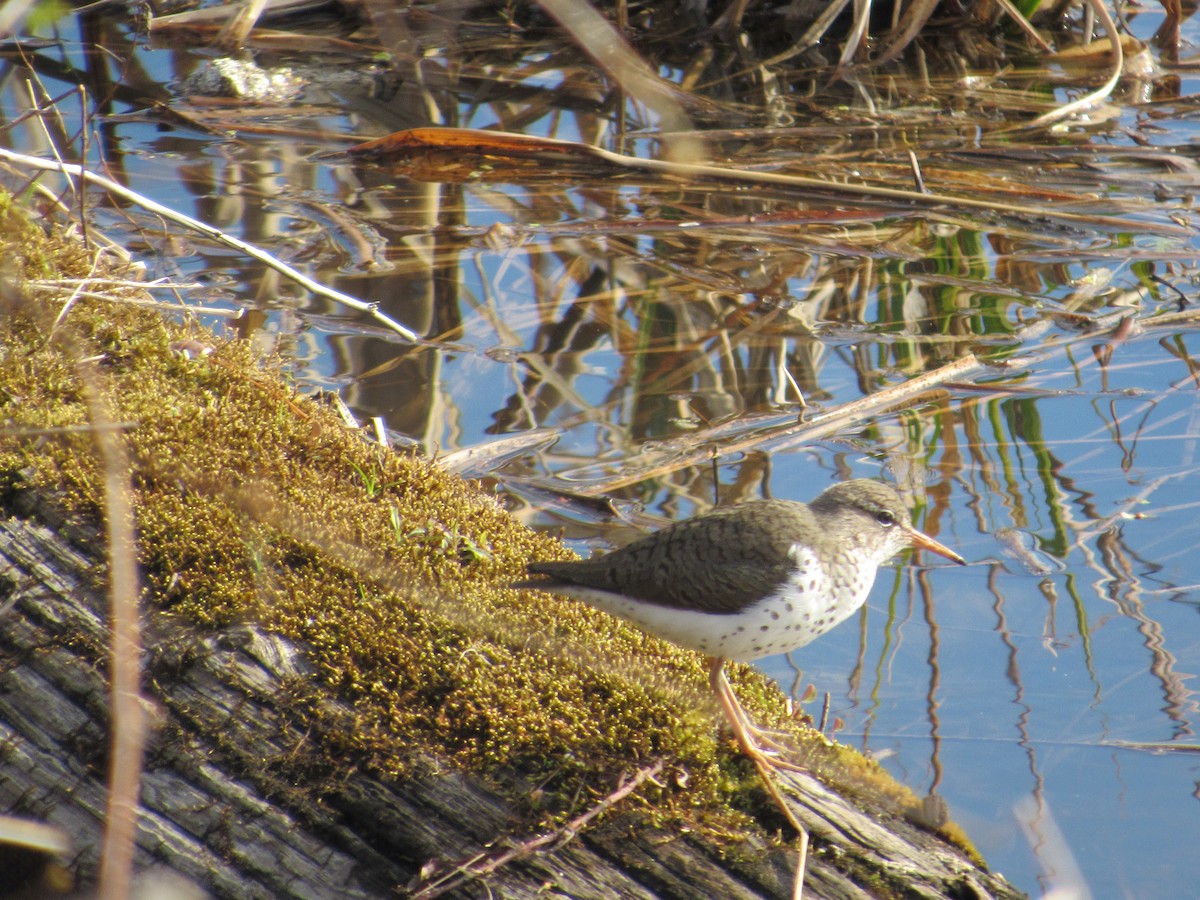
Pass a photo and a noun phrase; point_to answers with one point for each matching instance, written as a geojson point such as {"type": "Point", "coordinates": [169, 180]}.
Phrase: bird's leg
{"type": "Point", "coordinates": [802, 850]}
{"type": "Point", "coordinates": [766, 762]}
{"type": "Point", "coordinates": [753, 741]}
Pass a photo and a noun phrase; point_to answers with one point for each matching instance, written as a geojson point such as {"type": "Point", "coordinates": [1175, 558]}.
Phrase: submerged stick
{"type": "Point", "coordinates": [819, 426]}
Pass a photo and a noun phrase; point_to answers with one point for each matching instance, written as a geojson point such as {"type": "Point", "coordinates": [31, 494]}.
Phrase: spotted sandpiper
{"type": "Point", "coordinates": [750, 580]}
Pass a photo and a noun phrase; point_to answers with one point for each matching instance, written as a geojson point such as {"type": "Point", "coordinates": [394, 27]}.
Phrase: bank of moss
{"type": "Point", "coordinates": [254, 502]}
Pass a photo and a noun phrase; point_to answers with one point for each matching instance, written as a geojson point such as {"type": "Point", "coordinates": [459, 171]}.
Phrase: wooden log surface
{"type": "Point", "coordinates": [228, 803]}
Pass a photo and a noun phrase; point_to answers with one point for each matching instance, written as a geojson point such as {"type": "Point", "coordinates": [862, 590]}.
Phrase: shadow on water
{"type": "Point", "coordinates": [685, 339]}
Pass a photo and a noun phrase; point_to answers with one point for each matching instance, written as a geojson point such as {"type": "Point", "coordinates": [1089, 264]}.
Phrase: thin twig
{"type": "Point", "coordinates": [482, 865]}
{"type": "Point", "coordinates": [1023, 23]}
{"type": "Point", "coordinates": [918, 179]}
{"type": "Point", "coordinates": [176, 307]}
{"type": "Point", "coordinates": [85, 114]}
{"type": "Point", "coordinates": [128, 728]}
{"type": "Point", "coordinates": [1102, 93]}
{"type": "Point", "coordinates": [916, 14]}
{"type": "Point", "coordinates": [868, 191]}
{"type": "Point", "coordinates": [57, 284]}
{"type": "Point", "coordinates": [23, 431]}
{"type": "Point", "coordinates": [597, 37]}
{"type": "Point", "coordinates": [75, 294]}
{"type": "Point", "coordinates": [811, 37]}
{"type": "Point", "coordinates": [213, 233]}
{"type": "Point", "coordinates": [51, 143]}
{"type": "Point", "coordinates": [812, 428]}
{"type": "Point", "coordinates": [858, 30]}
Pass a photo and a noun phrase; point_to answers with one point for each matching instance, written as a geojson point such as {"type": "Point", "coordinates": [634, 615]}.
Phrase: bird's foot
{"type": "Point", "coordinates": [755, 742]}
{"type": "Point", "coordinates": [769, 755]}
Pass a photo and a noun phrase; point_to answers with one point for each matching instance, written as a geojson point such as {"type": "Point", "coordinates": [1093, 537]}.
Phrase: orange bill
{"type": "Point", "coordinates": [920, 539]}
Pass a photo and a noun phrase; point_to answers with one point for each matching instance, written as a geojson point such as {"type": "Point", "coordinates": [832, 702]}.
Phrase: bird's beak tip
{"type": "Point", "coordinates": [920, 539]}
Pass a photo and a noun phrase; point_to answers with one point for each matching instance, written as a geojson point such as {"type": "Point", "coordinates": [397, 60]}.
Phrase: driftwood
{"type": "Point", "coordinates": [227, 802]}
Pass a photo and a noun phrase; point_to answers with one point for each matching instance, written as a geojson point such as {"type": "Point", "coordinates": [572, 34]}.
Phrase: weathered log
{"type": "Point", "coordinates": [216, 810]}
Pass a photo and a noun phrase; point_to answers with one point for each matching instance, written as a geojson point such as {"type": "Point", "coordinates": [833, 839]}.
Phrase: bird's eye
{"type": "Point", "coordinates": [885, 518]}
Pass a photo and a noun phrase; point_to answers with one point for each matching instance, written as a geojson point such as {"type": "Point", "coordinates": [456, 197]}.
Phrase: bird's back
{"type": "Point", "coordinates": [716, 563]}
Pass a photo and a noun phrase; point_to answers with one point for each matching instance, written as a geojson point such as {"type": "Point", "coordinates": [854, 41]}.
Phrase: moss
{"type": "Point", "coordinates": [255, 503]}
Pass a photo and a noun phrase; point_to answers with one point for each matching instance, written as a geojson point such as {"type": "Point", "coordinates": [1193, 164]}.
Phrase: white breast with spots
{"type": "Point", "coordinates": [807, 605]}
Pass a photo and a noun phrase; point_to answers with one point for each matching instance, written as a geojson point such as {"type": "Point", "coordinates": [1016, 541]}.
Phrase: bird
{"type": "Point", "coordinates": [747, 581]}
